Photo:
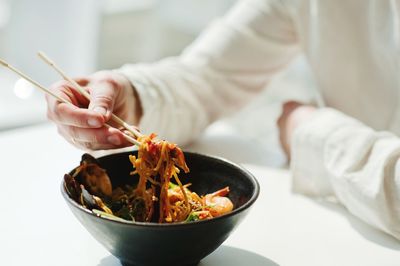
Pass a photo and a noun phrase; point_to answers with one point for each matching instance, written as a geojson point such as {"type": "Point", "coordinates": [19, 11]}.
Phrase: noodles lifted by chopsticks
{"type": "Point", "coordinates": [156, 198]}
{"type": "Point", "coordinates": [157, 162]}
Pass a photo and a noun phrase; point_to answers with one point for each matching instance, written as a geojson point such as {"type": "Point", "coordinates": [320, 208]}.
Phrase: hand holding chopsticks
{"type": "Point", "coordinates": [115, 118]}
{"type": "Point", "coordinates": [80, 90]}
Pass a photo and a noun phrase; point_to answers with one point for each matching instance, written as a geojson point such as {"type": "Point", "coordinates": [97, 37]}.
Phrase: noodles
{"type": "Point", "coordinates": [159, 195]}
{"type": "Point", "coordinates": [160, 159]}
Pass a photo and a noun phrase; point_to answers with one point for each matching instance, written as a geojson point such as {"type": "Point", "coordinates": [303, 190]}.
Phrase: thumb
{"type": "Point", "coordinates": [102, 99]}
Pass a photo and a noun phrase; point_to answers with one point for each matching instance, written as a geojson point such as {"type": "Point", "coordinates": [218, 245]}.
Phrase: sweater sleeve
{"type": "Point", "coordinates": [221, 71]}
{"type": "Point", "coordinates": [333, 154]}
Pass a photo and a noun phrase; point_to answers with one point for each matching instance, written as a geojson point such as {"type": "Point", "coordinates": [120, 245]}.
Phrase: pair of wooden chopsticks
{"type": "Point", "coordinates": [74, 84]}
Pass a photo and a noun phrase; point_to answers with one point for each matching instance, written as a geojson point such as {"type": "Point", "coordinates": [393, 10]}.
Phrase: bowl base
{"type": "Point", "coordinates": [133, 264]}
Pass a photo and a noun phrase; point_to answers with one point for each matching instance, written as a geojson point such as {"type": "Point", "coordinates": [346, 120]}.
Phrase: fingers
{"type": "Point", "coordinates": [71, 115]}
{"type": "Point", "coordinates": [293, 115]}
{"type": "Point", "coordinates": [102, 99]}
{"type": "Point", "coordinates": [82, 123]}
{"type": "Point", "coordinates": [283, 125]}
{"type": "Point", "coordinates": [93, 139]}
{"type": "Point", "coordinates": [83, 81]}
{"type": "Point", "coordinates": [66, 91]}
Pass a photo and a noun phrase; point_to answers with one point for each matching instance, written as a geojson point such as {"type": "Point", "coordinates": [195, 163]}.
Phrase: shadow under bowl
{"type": "Point", "coordinates": [177, 243]}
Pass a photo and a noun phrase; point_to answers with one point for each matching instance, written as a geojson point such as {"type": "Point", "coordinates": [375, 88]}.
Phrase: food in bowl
{"type": "Point", "coordinates": [151, 244]}
{"type": "Point", "coordinates": [155, 197]}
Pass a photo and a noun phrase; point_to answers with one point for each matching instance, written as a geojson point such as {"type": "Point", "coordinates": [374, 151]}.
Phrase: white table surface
{"type": "Point", "coordinates": [37, 228]}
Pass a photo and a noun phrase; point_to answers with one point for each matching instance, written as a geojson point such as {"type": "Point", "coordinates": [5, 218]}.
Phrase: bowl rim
{"type": "Point", "coordinates": [245, 206]}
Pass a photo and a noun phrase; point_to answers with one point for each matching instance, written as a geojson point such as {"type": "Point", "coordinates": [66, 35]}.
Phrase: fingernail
{"type": "Point", "coordinates": [100, 110]}
{"type": "Point", "coordinates": [114, 140]}
{"type": "Point", "coordinates": [93, 122]}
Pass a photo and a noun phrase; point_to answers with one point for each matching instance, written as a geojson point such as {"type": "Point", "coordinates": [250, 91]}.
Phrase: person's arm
{"type": "Point", "coordinates": [81, 124]}
{"type": "Point", "coordinates": [178, 97]}
{"type": "Point", "coordinates": [333, 154]}
{"type": "Point", "coordinates": [222, 70]}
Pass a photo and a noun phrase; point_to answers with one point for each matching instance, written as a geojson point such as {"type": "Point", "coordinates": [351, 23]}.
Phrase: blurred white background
{"type": "Point", "coordinates": [84, 36]}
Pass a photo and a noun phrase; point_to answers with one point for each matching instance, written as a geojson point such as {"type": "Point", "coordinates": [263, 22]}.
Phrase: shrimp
{"type": "Point", "coordinates": [217, 204]}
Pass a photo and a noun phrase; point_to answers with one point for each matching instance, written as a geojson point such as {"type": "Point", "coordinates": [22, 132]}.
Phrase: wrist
{"type": "Point", "coordinates": [138, 109]}
{"type": "Point", "coordinates": [293, 115]}
{"type": "Point", "coordinates": [134, 106]}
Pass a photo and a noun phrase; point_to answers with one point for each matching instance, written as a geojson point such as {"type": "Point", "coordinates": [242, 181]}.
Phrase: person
{"type": "Point", "coordinates": [348, 148]}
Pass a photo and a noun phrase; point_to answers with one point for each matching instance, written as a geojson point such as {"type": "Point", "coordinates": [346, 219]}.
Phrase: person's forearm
{"type": "Point", "coordinates": [230, 63]}
{"type": "Point", "coordinates": [333, 154]}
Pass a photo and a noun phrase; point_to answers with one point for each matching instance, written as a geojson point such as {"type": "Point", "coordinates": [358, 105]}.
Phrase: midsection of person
{"type": "Point", "coordinates": [353, 48]}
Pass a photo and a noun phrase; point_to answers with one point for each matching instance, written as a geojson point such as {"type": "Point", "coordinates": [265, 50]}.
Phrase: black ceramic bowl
{"type": "Point", "coordinates": [177, 243]}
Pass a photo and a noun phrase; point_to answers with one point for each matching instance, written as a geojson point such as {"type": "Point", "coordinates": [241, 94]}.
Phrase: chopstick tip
{"type": "Point", "coordinates": [44, 57]}
{"type": "Point", "coordinates": [4, 63]}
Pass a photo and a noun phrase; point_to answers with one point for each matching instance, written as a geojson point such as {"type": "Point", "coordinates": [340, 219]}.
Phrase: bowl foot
{"type": "Point", "coordinates": [132, 264]}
